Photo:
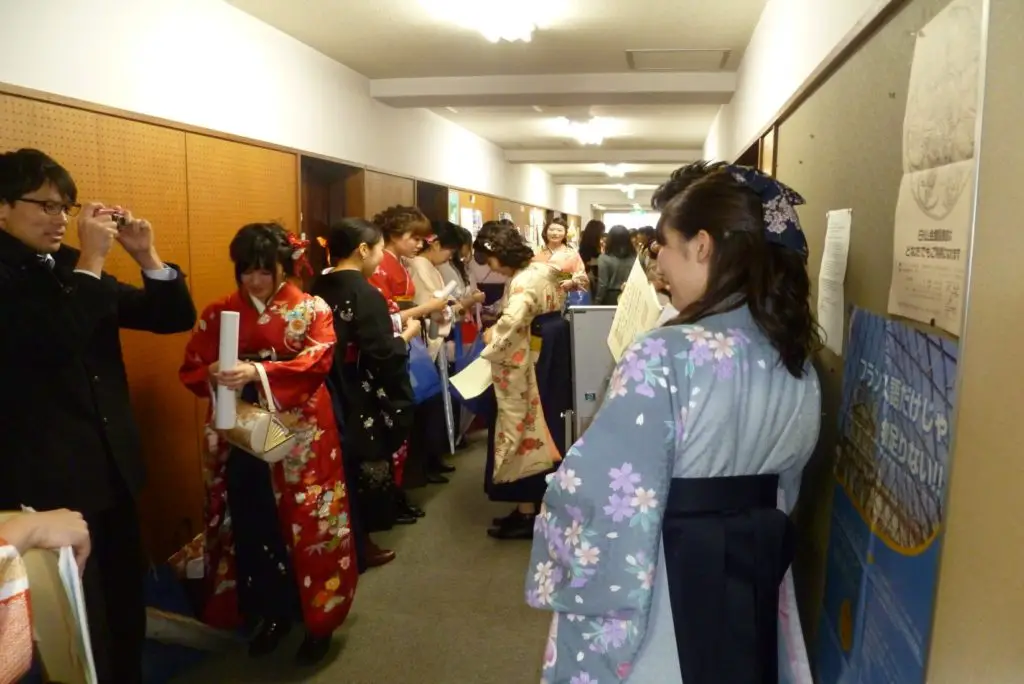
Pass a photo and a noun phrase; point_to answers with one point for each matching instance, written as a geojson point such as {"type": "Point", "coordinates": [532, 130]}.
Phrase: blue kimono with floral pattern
{"type": "Point", "coordinates": [687, 401]}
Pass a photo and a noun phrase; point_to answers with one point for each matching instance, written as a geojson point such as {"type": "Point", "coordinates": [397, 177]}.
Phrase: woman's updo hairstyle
{"type": "Point", "coordinates": [396, 221]}
{"type": "Point", "coordinates": [261, 247]}
{"type": "Point", "coordinates": [346, 235]}
{"type": "Point", "coordinates": [505, 244]}
{"type": "Point", "coordinates": [746, 267]}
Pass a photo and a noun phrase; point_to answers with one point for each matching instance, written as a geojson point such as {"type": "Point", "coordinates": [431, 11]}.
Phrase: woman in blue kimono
{"type": "Point", "coordinates": [664, 538]}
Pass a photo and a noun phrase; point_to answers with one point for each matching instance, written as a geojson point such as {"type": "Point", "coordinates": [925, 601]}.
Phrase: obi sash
{"type": "Point", "coordinates": [537, 331]}
{"type": "Point", "coordinates": [404, 303]}
{"type": "Point", "coordinates": [727, 549]}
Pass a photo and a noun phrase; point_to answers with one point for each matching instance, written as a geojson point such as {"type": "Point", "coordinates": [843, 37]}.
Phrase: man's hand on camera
{"type": "Point", "coordinates": [97, 231]}
{"type": "Point", "coordinates": [136, 236]}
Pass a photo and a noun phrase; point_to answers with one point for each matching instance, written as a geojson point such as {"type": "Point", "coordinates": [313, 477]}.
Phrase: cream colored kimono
{"type": "Point", "coordinates": [522, 443]}
{"type": "Point", "coordinates": [429, 280]}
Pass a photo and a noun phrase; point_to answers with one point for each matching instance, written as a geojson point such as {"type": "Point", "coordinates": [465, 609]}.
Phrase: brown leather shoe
{"type": "Point", "coordinates": [376, 556]}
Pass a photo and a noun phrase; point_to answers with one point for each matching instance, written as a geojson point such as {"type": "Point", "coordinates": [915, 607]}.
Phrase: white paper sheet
{"type": "Point", "coordinates": [832, 278]}
{"type": "Point", "coordinates": [474, 379]}
{"type": "Point", "coordinates": [637, 312]}
{"type": "Point", "coordinates": [224, 418]}
{"type": "Point", "coordinates": [69, 577]}
{"type": "Point", "coordinates": [934, 209]}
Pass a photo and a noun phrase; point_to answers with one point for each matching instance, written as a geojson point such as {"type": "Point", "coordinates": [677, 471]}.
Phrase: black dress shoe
{"type": "Point", "coordinates": [437, 478]}
{"type": "Point", "coordinates": [446, 468]}
{"type": "Point", "coordinates": [519, 528]}
{"type": "Point", "coordinates": [268, 637]}
{"type": "Point", "coordinates": [313, 650]}
{"type": "Point", "coordinates": [406, 519]}
{"type": "Point", "coordinates": [416, 511]}
{"type": "Point", "coordinates": [498, 522]}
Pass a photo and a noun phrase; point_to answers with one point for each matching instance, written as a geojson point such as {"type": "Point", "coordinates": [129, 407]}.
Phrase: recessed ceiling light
{"type": "Point", "coordinates": [615, 170]}
{"type": "Point", "coordinates": [508, 21]}
{"type": "Point", "coordinates": [538, 109]}
{"type": "Point", "coordinates": [591, 132]}
{"type": "Point", "coordinates": [453, 110]}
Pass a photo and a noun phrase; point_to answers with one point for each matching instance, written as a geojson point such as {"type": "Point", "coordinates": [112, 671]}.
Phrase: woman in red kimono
{"type": "Point", "coordinates": [278, 540]}
{"type": "Point", "coordinates": [404, 230]}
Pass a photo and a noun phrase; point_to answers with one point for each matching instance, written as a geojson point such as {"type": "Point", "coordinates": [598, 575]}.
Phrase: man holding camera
{"type": "Point", "coordinates": [68, 438]}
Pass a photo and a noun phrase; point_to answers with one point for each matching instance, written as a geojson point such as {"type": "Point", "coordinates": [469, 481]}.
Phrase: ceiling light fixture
{"type": "Point", "coordinates": [453, 110]}
{"type": "Point", "coordinates": [498, 21]}
{"type": "Point", "coordinates": [630, 190]}
{"type": "Point", "coordinates": [592, 132]}
{"type": "Point", "coordinates": [615, 170]}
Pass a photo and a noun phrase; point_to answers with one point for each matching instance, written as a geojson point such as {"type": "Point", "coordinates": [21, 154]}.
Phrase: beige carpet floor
{"type": "Point", "coordinates": [448, 610]}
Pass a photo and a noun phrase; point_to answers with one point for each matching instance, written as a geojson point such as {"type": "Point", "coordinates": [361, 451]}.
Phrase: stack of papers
{"type": "Point", "coordinates": [72, 581]}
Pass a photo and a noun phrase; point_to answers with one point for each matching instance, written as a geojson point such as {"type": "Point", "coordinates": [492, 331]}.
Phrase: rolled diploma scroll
{"type": "Point", "coordinates": [447, 291]}
{"type": "Point", "coordinates": [225, 409]}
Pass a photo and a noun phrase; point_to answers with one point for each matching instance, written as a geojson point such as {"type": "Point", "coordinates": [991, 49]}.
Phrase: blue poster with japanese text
{"type": "Point", "coordinates": [890, 472]}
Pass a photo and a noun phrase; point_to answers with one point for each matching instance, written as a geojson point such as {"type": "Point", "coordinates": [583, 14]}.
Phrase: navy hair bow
{"type": "Point", "coordinates": [781, 223]}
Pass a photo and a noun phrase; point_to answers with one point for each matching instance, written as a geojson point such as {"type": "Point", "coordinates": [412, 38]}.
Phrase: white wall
{"type": "Point", "coordinates": [208, 64]}
{"type": "Point", "coordinates": [567, 198]}
{"type": "Point", "coordinates": [793, 41]}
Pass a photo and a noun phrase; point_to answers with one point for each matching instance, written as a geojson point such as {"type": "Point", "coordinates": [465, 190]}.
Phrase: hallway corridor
{"type": "Point", "coordinates": [448, 610]}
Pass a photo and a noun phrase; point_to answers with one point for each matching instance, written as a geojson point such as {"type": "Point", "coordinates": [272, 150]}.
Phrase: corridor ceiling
{"type": "Point", "coordinates": [659, 69]}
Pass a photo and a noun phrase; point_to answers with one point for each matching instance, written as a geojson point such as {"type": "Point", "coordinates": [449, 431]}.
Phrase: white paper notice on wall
{"type": "Point", "coordinates": [832, 279]}
{"type": "Point", "coordinates": [934, 209]}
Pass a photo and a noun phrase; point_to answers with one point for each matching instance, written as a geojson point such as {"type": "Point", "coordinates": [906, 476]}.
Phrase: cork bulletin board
{"type": "Point", "coordinates": [842, 148]}
{"type": "Point", "coordinates": [197, 191]}
{"type": "Point", "coordinates": [231, 184]}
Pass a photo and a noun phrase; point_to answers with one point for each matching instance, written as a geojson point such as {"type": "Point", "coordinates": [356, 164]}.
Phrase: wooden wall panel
{"type": "Point", "coordinates": [383, 191]}
{"type": "Point", "coordinates": [141, 167]}
{"type": "Point", "coordinates": [231, 184]}
{"type": "Point", "coordinates": [355, 195]}
{"type": "Point", "coordinates": [330, 192]}
{"type": "Point", "coordinates": [432, 199]}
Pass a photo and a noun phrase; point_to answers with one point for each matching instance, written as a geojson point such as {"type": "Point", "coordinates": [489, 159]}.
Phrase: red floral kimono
{"type": "Point", "coordinates": [393, 280]}
{"type": "Point", "coordinates": [309, 484]}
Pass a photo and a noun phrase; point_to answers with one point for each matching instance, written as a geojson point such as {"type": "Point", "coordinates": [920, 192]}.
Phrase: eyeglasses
{"type": "Point", "coordinates": [55, 208]}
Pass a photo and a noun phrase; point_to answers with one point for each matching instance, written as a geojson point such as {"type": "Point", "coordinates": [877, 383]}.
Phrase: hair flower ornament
{"type": "Point", "coordinates": [781, 222]}
{"type": "Point", "coordinates": [299, 245]}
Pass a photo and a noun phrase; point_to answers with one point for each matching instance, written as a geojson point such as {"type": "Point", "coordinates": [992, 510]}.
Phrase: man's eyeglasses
{"type": "Point", "coordinates": [55, 208]}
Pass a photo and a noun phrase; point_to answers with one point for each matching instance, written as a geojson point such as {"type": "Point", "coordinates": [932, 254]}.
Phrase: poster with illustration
{"type": "Point", "coordinates": [890, 475]}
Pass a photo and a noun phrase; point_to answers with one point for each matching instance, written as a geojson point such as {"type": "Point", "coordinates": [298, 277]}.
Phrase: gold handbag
{"type": "Point", "coordinates": [259, 431]}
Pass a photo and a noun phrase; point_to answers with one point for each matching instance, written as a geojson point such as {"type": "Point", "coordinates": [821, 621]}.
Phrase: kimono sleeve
{"type": "Point", "coordinates": [422, 290]}
{"type": "Point", "coordinates": [15, 618]}
{"type": "Point", "coordinates": [201, 352]}
{"type": "Point", "coordinates": [294, 381]}
{"type": "Point", "coordinates": [374, 330]}
{"type": "Point", "coordinates": [514, 324]}
{"type": "Point", "coordinates": [382, 282]}
{"type": "Point", "coordinates": [598, 532]}
{"type": "Point", "coordinates": [579, 272]}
